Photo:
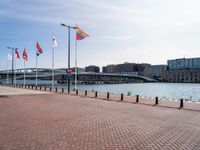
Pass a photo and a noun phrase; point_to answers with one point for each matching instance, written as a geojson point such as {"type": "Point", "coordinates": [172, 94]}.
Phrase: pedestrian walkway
{"type": "Point", "coordinates": [66, 122]}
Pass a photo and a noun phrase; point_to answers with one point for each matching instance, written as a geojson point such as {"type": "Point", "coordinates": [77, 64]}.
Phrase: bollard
{"type": "Point", "coordinates": [156, 101]}
{"type": "Point", "coordinates": [137, 98]}
{"type": "Point", "coordinates": [108, 95]}
{"type": "Point", "coordinates": [36, 87]}
{"type": "Point", "coordinates": [62, 90]}
{"type": "Point", "coordinates": [181, 103]}
{"type": "Point", "coordinates": [56, 89]}
{"type": "Point", "coordinates": [122, 97]}
{"type": "Point", "coordinates": [85, 92]}
{"type": "Point", "coordinates": [96, 94]}
{"type": "Point", "coordinates": [76, 92]}
{"type": "Point", "coordinates": [40, 88]}
{"type": "Point", "coordinates": [45, 88]}
{"type": "Point", "coordinates": [50, 89]}
{"type": "Point", "coordinates": [32, 86]}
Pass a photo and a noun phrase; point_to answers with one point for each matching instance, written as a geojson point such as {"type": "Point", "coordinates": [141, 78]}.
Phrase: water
{"type": "Point", "coordinates": [189, 91]}
{"type": "Point", "coordinates": [176, 91]}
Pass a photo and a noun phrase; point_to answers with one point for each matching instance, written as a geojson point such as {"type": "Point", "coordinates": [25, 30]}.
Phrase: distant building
{"type": "Point", "coordinates": [78, 70]}
{"type": "Point", "coordinates": [157, 71]}
{"type": "Point", "coordinates": [184, 63]}
{"type": "Point", "coordinates": [108, 69]}
{"type": "Point", "coordinates": [182, 75]}
{"type": "Point", "coordinates": [92, 68]}
{"type": "Point", "coordinates": [128, 68]}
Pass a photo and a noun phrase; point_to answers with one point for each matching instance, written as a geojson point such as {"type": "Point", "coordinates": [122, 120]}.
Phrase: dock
{"type": "Point", "coordinates": [42, 120]}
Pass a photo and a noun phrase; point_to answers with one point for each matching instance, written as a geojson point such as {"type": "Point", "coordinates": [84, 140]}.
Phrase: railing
{"type": "Point", "coordinates": [114, 97]}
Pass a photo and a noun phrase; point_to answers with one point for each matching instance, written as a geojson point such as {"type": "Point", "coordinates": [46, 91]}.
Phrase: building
{"type": "Point", "coordinates": [108, 69]}
{"type": "Point", "coordinates": [128, 68]}
{"type": "Point", "coordinates": [184, 63]}
{"type": "Point", "coordinates": [79, 70]}
{"type": "Point", "coordinates": [92, 68]}
{"type": "Point", "coordinates": [157, 71]}
{"type": "Point", "coordinates": [182, 75]}
{"type": "Point", "coordinates": [183, 70]}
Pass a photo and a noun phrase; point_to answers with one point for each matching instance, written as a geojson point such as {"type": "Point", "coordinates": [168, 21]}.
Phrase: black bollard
{"type": "Point", "coordinates": [45, 88]}
{"type": "Point", "coordinates": [122, 97]}
{"type": "Point", "coordinates": [85, 92]}
{"type": "Point", "coordinates": [56, 89]}
{"type": "Point", "coordinates": [50, 89]}
{"type": "Point", "coordinates": [181, 103]}
{"type": "Point", "coordinates": [36, 87]}
{"type": "Point", "coordinates": [62, 90]}
{"type": "Point", "coordinates": [76, 92]}
{"type": "Point", "coordinates": [137, 98]}
{"type": "Point", "coordinates": [96, 94]}
{"type": "Point", "coordinates": [32, 86]}
{"type": "Point", "coordinates": [108, 95]}
{"type": "Point", "coordinates": [156, 101]}
{"type": "Point", "coordinates": [40, 88]}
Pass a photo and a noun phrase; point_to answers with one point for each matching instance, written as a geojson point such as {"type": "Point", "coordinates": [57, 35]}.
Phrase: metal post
{"type": "Point", "coordinates": [62, 90]}
{"type": "Point", "coordinates": [50, 89]}
{"type": "Point", "coordinates": [122, 97]}
{"type": "Point", "coordinates": [156, 101]}
{"type": "Point", "coordinates": [85, 92]}
{"type": "Point", "coordinates": [108, 95]}
{"type": "Point", "coordinates": [69, 27]}
{"type": "Point", "coordinates": [56, 89]}
{"type": "Point", "coordinates": [137, 98]}
{"type": "Point", "coordinates": [96, 94]}
{"type": "Point", "coordinates": [45, 88]}
{"type": "Point", "coordinates": [76, 92]}
{"type": "Point", "coordinates": [181, 103]}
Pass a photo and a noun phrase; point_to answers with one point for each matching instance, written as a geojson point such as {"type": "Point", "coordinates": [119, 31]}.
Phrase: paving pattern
{"type": "Point", "coordinates": [65, 122]}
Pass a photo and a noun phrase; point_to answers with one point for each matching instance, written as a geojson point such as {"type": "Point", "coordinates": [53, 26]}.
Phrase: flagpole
{"type": "Point", "coordinates": [53, 64]}
{"type": "Point", "coordinates": [24, 73]}
{"type": "Point", "coordinates": [7, 70]}
{"type": "Point", "coordinates": [76, 69]}
{"type": "Point", "coordinates": [36, 70]}
{"type": "Point", "coordinates": [15, 71]}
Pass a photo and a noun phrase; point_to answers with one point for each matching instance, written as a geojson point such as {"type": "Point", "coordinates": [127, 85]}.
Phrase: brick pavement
{"type": "Point", "coordinates": [65, 122]}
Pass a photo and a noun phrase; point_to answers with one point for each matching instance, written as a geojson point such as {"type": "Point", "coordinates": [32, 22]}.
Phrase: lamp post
{"type": "Point", "coordinates": [69, 27]}
{"type": "Point", "coordinates": [12, 62]}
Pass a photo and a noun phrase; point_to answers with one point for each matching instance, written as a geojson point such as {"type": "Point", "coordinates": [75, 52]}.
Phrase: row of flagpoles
{"type": "Point", "coordinates": [80, 34]}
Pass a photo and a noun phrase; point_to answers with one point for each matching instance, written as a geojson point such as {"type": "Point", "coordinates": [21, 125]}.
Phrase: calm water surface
{"type": "Point", "coordinates": [164, 90]}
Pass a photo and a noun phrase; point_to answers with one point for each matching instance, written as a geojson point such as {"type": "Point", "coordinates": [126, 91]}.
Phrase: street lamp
{"type": "Point", "coordinates": [69, 27]}
{"type": "Point", "coordinates": [12, 62]}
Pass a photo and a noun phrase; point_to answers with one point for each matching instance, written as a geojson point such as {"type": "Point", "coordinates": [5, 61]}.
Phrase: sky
{"type": "Point", "coordinates": [135, 31]}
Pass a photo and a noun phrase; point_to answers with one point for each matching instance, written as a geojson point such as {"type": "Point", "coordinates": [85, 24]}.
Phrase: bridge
{"type": "Point", "coordinates": [60, 75]}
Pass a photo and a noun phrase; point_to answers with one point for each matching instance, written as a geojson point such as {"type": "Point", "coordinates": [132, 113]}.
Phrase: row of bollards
{"type": "Point", "coordinates": [86, 93]}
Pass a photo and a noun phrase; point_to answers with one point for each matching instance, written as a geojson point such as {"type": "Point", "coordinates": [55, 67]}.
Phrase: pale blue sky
{"type": "Point", "coordinates": [140, 31]}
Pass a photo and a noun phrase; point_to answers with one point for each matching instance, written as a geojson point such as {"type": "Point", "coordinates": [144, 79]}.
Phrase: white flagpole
{"type": "Point", "coordinates": [15, 71]}
{"type": "Point", "coordinates": [76, 69]}
{"type": "Point", "coordinates": [36, 70]}
{"type": "Point", "coordinates": [53, 64]}
{"type": "Point", "coordinates": [7, 69]}
{"type": "Point", "coordinates": [24, 73]}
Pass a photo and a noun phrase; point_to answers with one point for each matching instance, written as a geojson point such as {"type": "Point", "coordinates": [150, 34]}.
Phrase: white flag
{"type": "Point", "coordinates": [9, 56]}
{"type": "Point", "coordinates": [54, 42]}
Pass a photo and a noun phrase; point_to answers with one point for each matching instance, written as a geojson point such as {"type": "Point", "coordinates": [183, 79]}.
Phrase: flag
{"type": "Point", "coordinates": [17, 54]}
{"type": "Point", "coordinates": [39, 49]}
{"type": "Point", "coordinates": [9, 56]}
{"type": "Point", "coordinates": [54, 42]}
{"type": "Point", "coordinates": [25, 56]}
{"type": "Point", "coordinates": [80, 34]}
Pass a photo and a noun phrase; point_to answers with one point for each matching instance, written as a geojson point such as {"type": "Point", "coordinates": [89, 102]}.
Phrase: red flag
{"type": "Point", "coordinates": [25, 56]}
{"type": "Point", "coordinates": [17, 54]}
{"type": "Point", "coordinates": [39, 49]}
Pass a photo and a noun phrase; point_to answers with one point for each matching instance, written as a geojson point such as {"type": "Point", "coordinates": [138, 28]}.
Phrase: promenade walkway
{"type": "Point", "coordinates": [51, 121]}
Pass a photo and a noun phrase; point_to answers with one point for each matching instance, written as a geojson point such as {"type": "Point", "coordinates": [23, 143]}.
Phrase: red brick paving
{"type": "Point", "coordinates": [63, 122]}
